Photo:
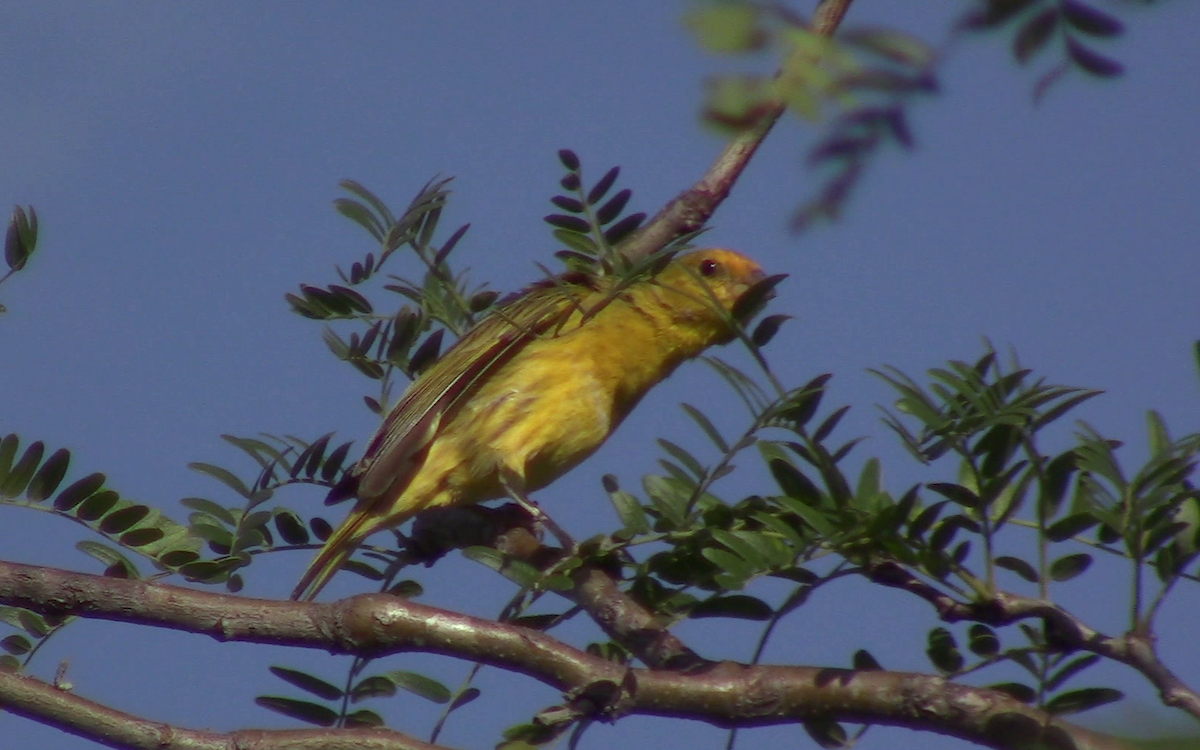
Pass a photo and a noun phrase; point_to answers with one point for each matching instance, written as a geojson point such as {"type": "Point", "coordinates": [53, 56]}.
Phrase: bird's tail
{"type": "Point", "coordinates": [335, 553]}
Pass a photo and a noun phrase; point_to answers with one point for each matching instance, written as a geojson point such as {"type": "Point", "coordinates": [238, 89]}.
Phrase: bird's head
{"type": "Point", "coordinates": [707, 287]}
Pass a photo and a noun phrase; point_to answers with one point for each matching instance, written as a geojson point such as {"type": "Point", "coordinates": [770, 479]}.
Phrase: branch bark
{"type": "Point", "coordinates": [1069, 632]}
{"type": "Point", "coordinates": [62, 709]}
{"type": "Point", "coordinates": [725, 694]}
{"type": "Point", "coordinates": [507, 528]}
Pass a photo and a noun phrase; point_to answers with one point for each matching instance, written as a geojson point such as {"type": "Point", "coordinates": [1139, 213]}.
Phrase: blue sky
{"type": "Point", "coordinates": [182, 158]}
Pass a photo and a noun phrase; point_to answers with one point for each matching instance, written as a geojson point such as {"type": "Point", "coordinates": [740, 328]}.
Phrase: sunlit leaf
{"type": "Point", "coordinates": [1082, 700]}
{"type": "Point", "coordinates": [308, 683]}
{"type": "Point", "coordinates": [313, 713]}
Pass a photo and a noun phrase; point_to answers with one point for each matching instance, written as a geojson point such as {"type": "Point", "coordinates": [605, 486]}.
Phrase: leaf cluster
{"type": "Point", "coordinates": [1034, 24]}
{"type": "Point", "coordinates": [20, 240]}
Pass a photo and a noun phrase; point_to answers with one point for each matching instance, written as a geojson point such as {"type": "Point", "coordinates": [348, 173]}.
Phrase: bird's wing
{"type": "Point", "coordinates": [413, 423]}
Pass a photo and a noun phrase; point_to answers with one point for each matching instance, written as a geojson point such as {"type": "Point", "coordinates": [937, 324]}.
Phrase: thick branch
{"type": "Point", "coordinates": [506, 528]}
{"type": "Point", "coordinates": [692, 208]}
{"type": "Point", "coordinates": [725, 694]}
{"type": "Point", "coordinates": [1068, 631]}
{"type": "Point", "coordinates": [62, 709]}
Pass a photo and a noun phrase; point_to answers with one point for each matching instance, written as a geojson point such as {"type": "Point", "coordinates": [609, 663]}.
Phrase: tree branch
{"type": "Point", "coordinates": [691, 209]}
{"type": "Point", "coordinates": [507, 528]}
{"type": "Point", "coordinates": [62, 709]}
{"type": "Point", "coordinates": [1068, 631]}
{"type": "Point", "coordinates": [725, 694]}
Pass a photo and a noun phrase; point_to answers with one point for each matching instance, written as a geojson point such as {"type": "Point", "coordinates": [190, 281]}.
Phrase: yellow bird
{"type": "Point", "coordinates": [532, 390]}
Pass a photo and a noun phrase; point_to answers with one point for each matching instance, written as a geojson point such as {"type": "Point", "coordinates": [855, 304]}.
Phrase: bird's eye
{"type": "Point", "coordinates": [709, 267]}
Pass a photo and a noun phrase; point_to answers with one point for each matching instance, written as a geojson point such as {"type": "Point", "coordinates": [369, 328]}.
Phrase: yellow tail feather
{"type": "Point", "coordinates": [333, 555]}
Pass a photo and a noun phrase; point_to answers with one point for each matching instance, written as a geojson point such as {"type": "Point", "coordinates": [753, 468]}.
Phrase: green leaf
{"type": "Point", "coordinates": [518, 571]}
{"type": "Point", "coordinates": [375, 686]}
{"type": "Point", "coordinates": [863, 661]}
{"type": "Point", "coordinates": [1082, 700]}
{"type": "Point", "coordinates": [1067, 567]}
{"type": "Point", "coordinates": [948, 528]}
{"type": "Point", "coordinates": [1071, 525]}
{"type": "Point", "coordinates": [943, 652]}
{"type": "Point", "coordinates": [465, 697]}
{"type": "Point", "coordinates": [705, 424]}
{"type": "Point", "coordinates": [925, 520]}
{"type": "Point", "coordinates": [116, 565]}
{"type": "Point", "coordinates": [418, 684]}
{"type": "Point", "coordinates": [668, 497]}
{"type": "Point", "coordinates": [142, 537]}
{"type": "Point", "coordinates": [359, 214]}
{"type": "Point", "coordinates": [997, 12]}
{"type": "Point", "coordinates": [21, 238]}
{"type": "Point", "coordinates": [224, 476]}
{"type": "Point", "coordinates": [322, 716]}
{"type": "Point", "coordinates": [613, 207]}
{"type": "Point", "coordinates": [79, 491]}
{"type": "Point", "coordinates": [16, 644]}
{"type": "Point", "coordinates": [123, 519]}
{"type": "Point", "coordinates": [793, 482]}
{"type": "Point", "coordinates": [568, 222]}
{"type": "Point", "coordinates": [732, 605]}
{"type": "Point", "coordinates": [827, 733]}
{"type": "Point", "coordinates": [1057, 479]}
{"type": "Point", "coordinates": [629, 510]}
{"type": "Point", "coordinates": [580, 243]}
{"type": "Point", "coordinates": [569, 159]}
{"type": "Point", "coordinates": [291, 529]}
{"type": "Point", "coordinates": [49, 476]}
{"type": "Point", "coordinates": [982, 640]}
{"type": "Point", "coordinates": [1093, 62]}
{"type": "Point", "coordinates": [308, 683]}
{"type": "Point", "coordinates": [868, 481]}
{"type": "Point", "coordinates": [685, 458]}
{"type": "Point", "coordinates": [427, 353]}
{"type": "Point", "coordinates": [1072, 668]}
{"type": "Point", "coordinates": [1088, 20]}
{"type": "Point", "coordinates": [310, 458]}
{"type": "Point", "coordinates": [97, 505]}
{"type": "Point", "coordinates": [1034, 34]}
{"type": "Point", "coordinates": [364, 717]}
{"type": "Point", "coordinates": [955, 493]}
{"type": "Point", "coordinates": [358, 567]}
{"type": "Point", "coordinates": [601, 188]}
{"type": "Point", "coordinates": [737, 570]}
{"type": "Point", "coordinates": [20, 474]}
{"type": "Point", "coordinates": [568, 204]}
{"type": "Point", "coordinates": [33, 623]}
{"type": "Point", "coordinates": [766, 329]}
{"type": "Point", "coordinates": [208, 507]}
{"type": "Point", "coordinates": [747, 545]}
{"type": "Point", "coordinates": [8, 451]}
{"type": "Point", "coordinates": [727, 28]}
{"type": "Point", "coordinates": [1018, 566]}
{"type": "Point", "coordinates": [406, 589]}
{"type": "Point", "coordinates": [829, 424]}
{"type": "Point", "coordinates": [334, 461]}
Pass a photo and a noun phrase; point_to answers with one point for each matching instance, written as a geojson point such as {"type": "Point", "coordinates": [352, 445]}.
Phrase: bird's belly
{"type": "Point", "coordinates": [543, 429]}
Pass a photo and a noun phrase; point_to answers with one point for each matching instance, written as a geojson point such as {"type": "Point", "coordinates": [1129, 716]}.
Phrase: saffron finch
{"type": "Point", "coordinates": [532, 390]}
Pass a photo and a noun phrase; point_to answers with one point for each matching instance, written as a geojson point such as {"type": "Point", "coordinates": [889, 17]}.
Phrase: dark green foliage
{"type": "Point", "coordinates": [136, 527]}
{"type": "Point", "coordinates": [383, 685]}
{"type": "Point", "coordinates": [683, 550]}
{"type": "Point", "coordinates": [1038, 22]}
{"type": "Point", "coordinates": [592, 226]}
{"type": "Point", "coordinates": [20, 239]}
